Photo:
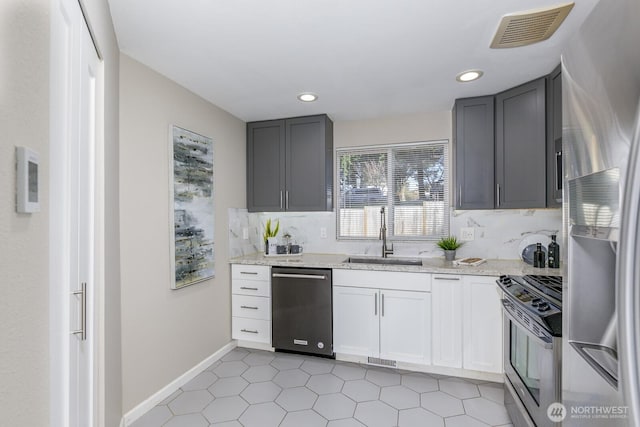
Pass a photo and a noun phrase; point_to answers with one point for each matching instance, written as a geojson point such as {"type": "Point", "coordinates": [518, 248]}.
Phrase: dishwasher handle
{"type": "Point", "coordinates": [300, 276]}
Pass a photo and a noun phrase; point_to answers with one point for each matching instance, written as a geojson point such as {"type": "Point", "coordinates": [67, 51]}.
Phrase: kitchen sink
{"type": "Point", "coordinates": [385, 261]}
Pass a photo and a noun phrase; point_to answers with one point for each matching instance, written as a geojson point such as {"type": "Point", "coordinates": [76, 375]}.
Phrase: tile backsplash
{"type": "Point", "coordinates": [499, 234]}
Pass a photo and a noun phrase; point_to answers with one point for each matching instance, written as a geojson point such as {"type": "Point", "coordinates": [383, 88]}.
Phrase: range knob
{"type": "Point", "coordinates": [505, 280]}
{"type": "Point", "coordinates": [536, 301]}
{"type": "Point", "coordinates": [543, 306]}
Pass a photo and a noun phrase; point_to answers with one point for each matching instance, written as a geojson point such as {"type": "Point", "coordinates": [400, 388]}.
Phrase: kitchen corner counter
{"type": "Point", "coordinates": [492, 267]}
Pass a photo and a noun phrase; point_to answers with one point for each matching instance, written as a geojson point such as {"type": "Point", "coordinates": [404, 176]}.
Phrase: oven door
{"type": "Point", "coordinates": [531, 366]}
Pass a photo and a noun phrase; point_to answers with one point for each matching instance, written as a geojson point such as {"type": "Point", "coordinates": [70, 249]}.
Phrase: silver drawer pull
{"type": "Point", "coordinates": [248, 289]}
{"type": "Point", "coordinates": [300, 276]}
{"type": "Point", "coordinates": [249, 331]}
{"type": "Point", "coordinates": [249, 272]}
{"type": "Point", "coordinates": [447, 278]}
{"type": "Point", "coordinates": [249, 307]}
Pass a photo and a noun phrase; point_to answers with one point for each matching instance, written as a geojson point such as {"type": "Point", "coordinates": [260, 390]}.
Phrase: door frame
{"type": "Point", "coordinates": [67, 18]}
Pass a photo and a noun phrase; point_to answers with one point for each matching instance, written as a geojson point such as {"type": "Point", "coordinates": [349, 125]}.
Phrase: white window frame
{"type": "Point", "coordinates": [390, 205]}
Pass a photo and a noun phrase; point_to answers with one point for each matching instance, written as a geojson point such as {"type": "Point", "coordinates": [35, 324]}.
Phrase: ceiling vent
{"type": "Point", "coordinates": [523, 28]}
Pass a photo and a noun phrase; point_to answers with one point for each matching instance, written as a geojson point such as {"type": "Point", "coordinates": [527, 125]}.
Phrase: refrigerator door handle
{"type": "Point", "coordinates": [628, 294]}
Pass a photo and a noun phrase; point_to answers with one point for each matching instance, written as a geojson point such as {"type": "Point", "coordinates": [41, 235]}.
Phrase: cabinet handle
{"type": "Point", "coordinates": [280, 199]}
{"type": "Point", "coordinates": [248, 289]}
{"type": "Point", "coordinates": [498, 191]}
{"type": "Point", "coordinates": [248, 307]}
{"type": "Point", "coordinates": [460, 197]}
{"type": "Point", "coordinates": [447, 278]}
{"type": "Point", "coordinates": [375, 305]}
{"type": "Point", "coordinates": [249, 272]}
{"type": "Point", "coordinates": [286, 200]}
{"type": "Point", "coordinates": [382, 308]}
{"type": "Point", "coordinates": [558, 179]}
{"type": "Point", "coordinates": [249, 331]}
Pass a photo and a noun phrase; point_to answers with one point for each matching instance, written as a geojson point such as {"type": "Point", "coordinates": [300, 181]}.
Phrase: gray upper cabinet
{"type": "Point", "coordinates": [521, 147]}
{"type": "Point", "coordinates": [474, 152]}
{"type": "Point", "coordinates": [290, 165]}
{"type": "Point", "coordinates": [554, 138]}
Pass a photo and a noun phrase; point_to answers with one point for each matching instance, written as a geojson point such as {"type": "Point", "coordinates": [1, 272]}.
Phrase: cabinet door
{"type": "Point", "coordinates": [405, 326]}
{"type": "Point", "coordinates": [356, 327]}
{"type": "Point", "coordinates": [482, 328]}
{"type": "Point", "coordinates": [446, 292]}
{"type": "Point", "coordinates": [521, 147]}
{"type": "Point", "coordinates": [265, 166]}
{"type": "Point", "coordinates": [554, 138]}
{"type": "Point", "coordinates": [474, 153]}
{"type": "Point", "coordinates": [309, 164]}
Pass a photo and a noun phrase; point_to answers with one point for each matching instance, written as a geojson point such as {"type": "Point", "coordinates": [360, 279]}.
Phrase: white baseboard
{"type": "Point", "coordinates": [170, 388]}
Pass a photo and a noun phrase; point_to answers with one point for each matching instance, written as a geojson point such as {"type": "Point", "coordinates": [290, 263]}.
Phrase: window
{"type": "Point", "coordinates": [410, 180]}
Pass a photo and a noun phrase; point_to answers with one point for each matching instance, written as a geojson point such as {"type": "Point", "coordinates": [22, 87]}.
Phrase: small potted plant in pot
{"type": "Point", "coordinates": [449, 245]}
{"type": "Point", "coordinates": [269, 232]}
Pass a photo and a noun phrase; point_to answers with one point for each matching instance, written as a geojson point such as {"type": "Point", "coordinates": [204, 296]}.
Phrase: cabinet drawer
{"type": "Point", "coordinates": [251, 329]}
{"type": "Point", "coordinates": [261, 288]}
{"type": "Point", "coordinates": [250, 272]}
{"type": "Point", "coordinates": [251, 307]}
{"type": "Point", "coordinates": [398, 280]}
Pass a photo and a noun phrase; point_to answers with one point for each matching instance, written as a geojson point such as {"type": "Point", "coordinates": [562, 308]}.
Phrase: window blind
{"type": "Point", "coordinates": [410, 180]}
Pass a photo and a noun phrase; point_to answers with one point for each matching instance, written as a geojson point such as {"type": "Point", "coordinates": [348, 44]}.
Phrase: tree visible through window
{"type": "Point", "coordinates": [411, 180]}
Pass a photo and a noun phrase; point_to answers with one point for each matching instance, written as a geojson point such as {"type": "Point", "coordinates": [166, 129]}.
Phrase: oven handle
{"type": "Point", "coordinates": [535, 338]}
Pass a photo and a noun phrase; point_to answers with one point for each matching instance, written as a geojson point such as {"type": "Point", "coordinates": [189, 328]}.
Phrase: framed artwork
{"type": "Point", "coordinates": [192, 207]}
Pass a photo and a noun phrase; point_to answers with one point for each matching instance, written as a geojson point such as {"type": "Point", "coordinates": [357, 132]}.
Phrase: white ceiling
{"type": "Point", "coordinates": [364, 58]}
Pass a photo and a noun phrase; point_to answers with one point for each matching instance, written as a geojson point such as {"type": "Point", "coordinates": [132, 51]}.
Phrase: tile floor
{"type": "Point", "coordinates": [255, 388]}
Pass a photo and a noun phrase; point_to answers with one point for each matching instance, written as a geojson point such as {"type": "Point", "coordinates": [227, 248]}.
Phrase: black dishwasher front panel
{"type": "Point", "coordinates": [301, 307]}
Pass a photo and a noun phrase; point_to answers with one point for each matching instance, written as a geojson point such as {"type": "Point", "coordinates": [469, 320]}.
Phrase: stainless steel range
{"type": "Point", "coordinates": [532, 309]}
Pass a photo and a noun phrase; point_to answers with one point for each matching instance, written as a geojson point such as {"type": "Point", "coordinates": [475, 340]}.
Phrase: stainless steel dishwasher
{"type": "Point", "coordinates": [301, 306]}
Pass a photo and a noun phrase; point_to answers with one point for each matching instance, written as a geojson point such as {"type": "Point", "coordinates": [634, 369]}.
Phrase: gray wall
{"type": "Point", "coordinates": [24, 257]}
{"type": "Point", "coordinates": [24, 254]}
{"type": "Point", "coordinates": [166, 332]}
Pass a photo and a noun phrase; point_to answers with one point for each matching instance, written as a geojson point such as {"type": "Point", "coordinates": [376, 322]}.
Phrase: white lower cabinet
{"type": "Point", "coordinates": [482, 325]}
{"type": "Point", "coordinates": [405, 326]}
{"type": "Point", "coordinates": [467, 323]}
{"type": "Point", "coordinates": [251, 303]}
{"type": "Point", "coordinates": [447, 320]}
{"type": "Point", "coordinates": [389, 324]}
{"type": "Point", "coordinates": [356, 328]}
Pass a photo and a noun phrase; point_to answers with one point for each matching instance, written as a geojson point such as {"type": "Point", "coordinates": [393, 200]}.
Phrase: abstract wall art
{"type": "Point", "coordinates": [192, 207]}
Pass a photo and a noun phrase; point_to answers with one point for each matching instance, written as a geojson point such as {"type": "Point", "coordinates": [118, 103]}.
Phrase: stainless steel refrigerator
{"type": "Point", "coordinates": [601, 342]}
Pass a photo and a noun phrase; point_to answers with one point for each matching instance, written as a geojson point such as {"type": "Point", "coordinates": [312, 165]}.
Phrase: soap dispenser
{"type": "Point", "coordinates": [538, 256]}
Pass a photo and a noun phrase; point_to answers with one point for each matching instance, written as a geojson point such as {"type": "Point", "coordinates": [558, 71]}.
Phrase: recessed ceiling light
{"type": "Point", "coordinates": [469, 76]}
{"type": "Point", "coordinates": [307, 97]}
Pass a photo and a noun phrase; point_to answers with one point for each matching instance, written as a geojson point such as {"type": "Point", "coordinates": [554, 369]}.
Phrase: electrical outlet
{"type": "Point", "coordinates": [323, 232]}
{"type": "Point", "coordinates": [467, 234]}
{"type": "Point", "coordinates": [245, 233]}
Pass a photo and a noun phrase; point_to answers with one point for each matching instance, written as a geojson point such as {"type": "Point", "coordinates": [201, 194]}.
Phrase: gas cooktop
{"type": "Point", "coordinates": [540, 297]}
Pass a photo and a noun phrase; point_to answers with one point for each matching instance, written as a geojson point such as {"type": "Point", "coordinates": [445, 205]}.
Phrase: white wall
{"type": "Point", "coordinates": [408, 128]}
{"type": "Point", "coordinates": [24, 257]}
{"type": "Point", "coordinates": [166, 332]}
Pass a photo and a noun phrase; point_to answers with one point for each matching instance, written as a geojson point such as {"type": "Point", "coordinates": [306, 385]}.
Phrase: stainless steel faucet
{"type": "Point", "coordinates": [383, 235]}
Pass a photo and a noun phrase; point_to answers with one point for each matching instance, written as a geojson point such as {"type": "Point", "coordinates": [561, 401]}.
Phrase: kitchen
{"type": "Point", "coordinates": [149, 341]}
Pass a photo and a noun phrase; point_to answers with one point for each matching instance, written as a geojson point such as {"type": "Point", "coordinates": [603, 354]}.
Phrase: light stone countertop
{"type": "Point", "coordinates": [492, 267]}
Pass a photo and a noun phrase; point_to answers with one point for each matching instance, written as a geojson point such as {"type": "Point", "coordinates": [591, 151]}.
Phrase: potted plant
{"type": "Point", "coordinates": [268, 233]}
{"type": "Point", "coordinates": [449, 245]}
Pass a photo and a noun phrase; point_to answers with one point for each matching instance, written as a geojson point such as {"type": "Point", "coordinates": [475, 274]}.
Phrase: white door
{"type": "Point", "coordinates": [405, 326]}
{"type": "Point", "coordinates": [355, 321]}
{"type": "Point", "coordinates": [482, 336]}
{"type": "Point", "coordinates": [446, 291]}
{"type": "Point", "coordinates": [73, 224]}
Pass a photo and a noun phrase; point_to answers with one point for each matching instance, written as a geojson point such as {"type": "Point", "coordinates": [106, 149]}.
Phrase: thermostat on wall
{"type": "Point", "coordinates": [28, 180]}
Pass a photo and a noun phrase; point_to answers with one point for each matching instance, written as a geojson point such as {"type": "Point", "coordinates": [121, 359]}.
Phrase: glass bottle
{"type": "Point", "coordinates": [554, 253]}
